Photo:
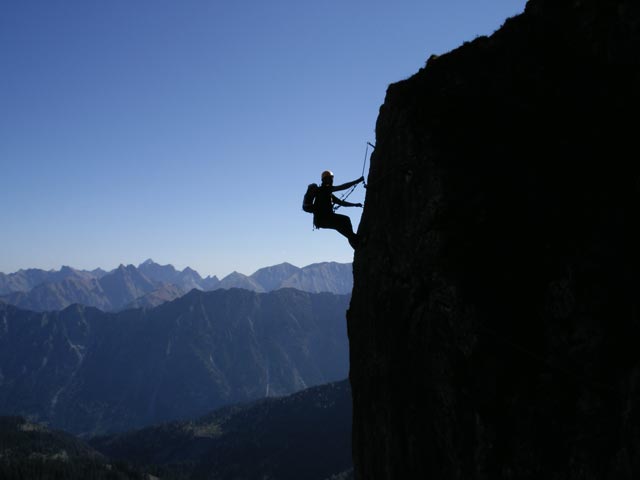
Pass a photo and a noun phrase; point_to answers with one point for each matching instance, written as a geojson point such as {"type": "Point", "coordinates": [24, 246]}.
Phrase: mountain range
{"type": "Point", "coordinates": [151, 284]}
{"type": "Point", "coordinates": [89, 372]}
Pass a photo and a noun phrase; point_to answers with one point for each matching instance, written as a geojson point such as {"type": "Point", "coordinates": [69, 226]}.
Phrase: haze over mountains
{"type": "Point", "coordinates": [151, 284]}
{"type": "Point", "coordinates": [88, 372]}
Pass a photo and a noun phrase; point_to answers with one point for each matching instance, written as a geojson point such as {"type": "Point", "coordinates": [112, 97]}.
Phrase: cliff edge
{"type": "Point", "coordinates": [494, 319]}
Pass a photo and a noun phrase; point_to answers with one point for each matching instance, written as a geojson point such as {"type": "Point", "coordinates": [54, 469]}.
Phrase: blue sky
{"type": "Point", "coordinates": [187, 131]}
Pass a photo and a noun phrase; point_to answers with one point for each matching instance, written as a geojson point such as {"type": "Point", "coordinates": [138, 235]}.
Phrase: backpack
{"type": "Point", "coordinates": [309, 198]}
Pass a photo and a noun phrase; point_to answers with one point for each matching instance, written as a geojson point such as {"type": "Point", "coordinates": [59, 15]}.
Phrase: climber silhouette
{"type": "Point", "coordinates": [323, 214]}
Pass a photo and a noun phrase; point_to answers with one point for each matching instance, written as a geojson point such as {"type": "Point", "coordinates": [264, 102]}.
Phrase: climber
{"type": "Point", "coordinates": [323, 214]}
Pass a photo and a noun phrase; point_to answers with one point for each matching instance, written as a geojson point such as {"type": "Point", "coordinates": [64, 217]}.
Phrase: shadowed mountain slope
{"type": "Point", "coordinates": [494, 320]}
{"type": "Point", "coordinates": [164, 293]}
{"type": "Point", "coordinates": [89, 372]}
{"type": "Point", "coordinates": [31, 451]}
{"type": "Point", "coordinates": [306, 435]}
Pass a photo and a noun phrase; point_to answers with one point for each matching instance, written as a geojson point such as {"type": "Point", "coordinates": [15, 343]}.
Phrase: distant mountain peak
{"type": "Point", "coordinates": [122, 286]}
{"type": "Point", "coordinates": [286, 264]}
{"type": "Point", "coordinates": [126, 268]}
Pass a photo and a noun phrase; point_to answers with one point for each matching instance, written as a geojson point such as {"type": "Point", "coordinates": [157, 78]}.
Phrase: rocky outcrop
{"type": "Point", "coordinates": [494, 317]}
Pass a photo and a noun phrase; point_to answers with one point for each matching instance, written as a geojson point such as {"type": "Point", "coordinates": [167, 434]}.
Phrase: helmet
{"type": "Point", "coordinates": [326, 173]}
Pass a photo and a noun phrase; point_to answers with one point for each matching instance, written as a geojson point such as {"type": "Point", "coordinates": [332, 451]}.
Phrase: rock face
{"type": "Point", "coordinates": [494, 317]}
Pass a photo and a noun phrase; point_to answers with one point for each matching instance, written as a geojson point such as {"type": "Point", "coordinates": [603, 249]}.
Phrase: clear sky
{"type": "Point", "coordinates": [188, 130]}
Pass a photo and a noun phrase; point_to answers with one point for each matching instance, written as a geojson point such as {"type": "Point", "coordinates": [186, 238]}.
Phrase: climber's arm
{"type": "Point", "coordinates": [342, 203]}
{"type": "Point", "coordinates": [344, 186]}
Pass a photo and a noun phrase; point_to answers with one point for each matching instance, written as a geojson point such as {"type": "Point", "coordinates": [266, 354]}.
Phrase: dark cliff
{"type": "Point", "coordinates": [494, 317]}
